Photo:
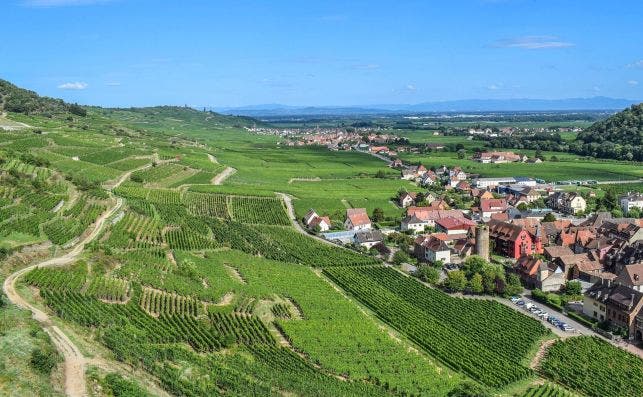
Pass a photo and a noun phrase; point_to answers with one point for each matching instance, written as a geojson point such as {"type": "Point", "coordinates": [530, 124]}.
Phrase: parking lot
{"type": "Point", "coordinates": [574, 328]}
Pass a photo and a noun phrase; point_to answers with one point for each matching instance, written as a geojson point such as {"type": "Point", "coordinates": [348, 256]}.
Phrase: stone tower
{"type": "Point", "coordinates": [482, 241]}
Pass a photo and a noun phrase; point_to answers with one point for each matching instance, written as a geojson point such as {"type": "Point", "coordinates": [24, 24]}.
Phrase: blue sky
{"type": "Point", "coordinates": [233, 53]}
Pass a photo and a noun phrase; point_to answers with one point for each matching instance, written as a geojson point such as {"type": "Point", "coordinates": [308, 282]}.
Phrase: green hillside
{"type": "Point", "coordinates": [19, 100]}
{"type": "Point", "coordinates": [175, 118]}
{"type": "Point", "coordinates": [619, 136]}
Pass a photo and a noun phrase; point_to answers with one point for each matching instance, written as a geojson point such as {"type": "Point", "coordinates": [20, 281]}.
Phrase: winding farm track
{"type": "Point", "coordinates": [293, 219]}
{"type": "Point", "coordinates": [75, 361]}
{"type": "Point", "coordinates": [225, 174]}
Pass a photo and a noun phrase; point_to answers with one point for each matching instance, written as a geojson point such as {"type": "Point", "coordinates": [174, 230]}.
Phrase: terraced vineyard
{"type": "Point", "coordinates": [547, 390]}
{"type": "Point", "coordinates": [261, 210]}
{"type": "Point", "coordinates": [208, 290]}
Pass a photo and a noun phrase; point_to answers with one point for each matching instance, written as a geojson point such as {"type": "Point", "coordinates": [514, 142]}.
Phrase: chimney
{"type": "Point", "coordinates": [632, 302]}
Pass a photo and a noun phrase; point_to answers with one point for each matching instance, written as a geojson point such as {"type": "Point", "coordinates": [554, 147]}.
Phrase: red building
{"type": "Point", "coordinates": [513, 241]}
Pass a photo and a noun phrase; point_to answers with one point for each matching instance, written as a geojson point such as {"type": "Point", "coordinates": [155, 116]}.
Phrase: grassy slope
{"type": "Point", "coordinates": [19, 336]}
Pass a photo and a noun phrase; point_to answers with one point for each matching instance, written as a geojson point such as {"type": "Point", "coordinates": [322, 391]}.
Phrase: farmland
{"type": "Point", "coordinates": [445, 326]}
{"type": "Point", "coordinates": [579, 363]}
{"type": "Point", "coordinates": [209, 290]}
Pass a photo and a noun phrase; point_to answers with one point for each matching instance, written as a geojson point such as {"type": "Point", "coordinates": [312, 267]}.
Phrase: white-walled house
{"type": "Point", "coordinates": [631, 200]}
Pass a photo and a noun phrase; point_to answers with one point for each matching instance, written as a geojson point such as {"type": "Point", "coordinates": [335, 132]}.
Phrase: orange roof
{"type": "Point", "coordinates": [357, 216]}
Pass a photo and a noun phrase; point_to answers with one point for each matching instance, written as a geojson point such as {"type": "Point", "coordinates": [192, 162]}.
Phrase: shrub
{"type": "Point", "coordinates": [44, 360]}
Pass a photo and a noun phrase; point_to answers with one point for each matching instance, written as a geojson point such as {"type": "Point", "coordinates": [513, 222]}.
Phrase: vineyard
{"type": "Point", "coordinates": [594, 367]}
{"type": "Point", "coordinates": [211, 291]}
{"type": "Point", "coordinates": [261, 210]}
{"type": "Point", "coordinates": [243, 209]}
{"type": "Point", "coordinates": [467, 335]}
{"type": "Point", "coordinates": [546, 390]}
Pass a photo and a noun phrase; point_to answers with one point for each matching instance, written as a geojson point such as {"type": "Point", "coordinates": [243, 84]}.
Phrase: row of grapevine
{"type": "Point", "coordinates": [16, 165]}
{"type": "Point", "coordinates": [67, 279]}
{"type": "Point", "coordinates": [281, 310]}
{"type": "Point", "coordinates": [284, 244]}
{"type": "Point", "coordinates": [158, 302]}
{"type": "Point", "coordinates": [490, 323]}
{"type": "Point", "coordinates": [594, 367]}
{"type": "Point", "coordinates": [546, 390]}
{"type": "Point", "coordinates": [109, 288]}
{"type": "Point", "coordinates": [61, 230]}
{"type": "Point", "coordinates": [202, 204]}
{"type": "Point", "coordinates": [187, 239]}
{"type": "Point", "coordinates": [135, 231]}
{"type": "Point", "coordinates": [248, 330]}
{"type": "Point", "coordinates": [259, 210]}
{"type": "Point", "coordinates": [158, 172]}
{"type": "Point", "coordinates": [461, 350]}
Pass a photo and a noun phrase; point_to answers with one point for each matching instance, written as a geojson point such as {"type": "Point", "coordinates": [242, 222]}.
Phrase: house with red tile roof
{"type": "Point", "coordinates": [536, 273]}
{"type": "Point", "coordinates": [492, 206]}
{"type": "Point", "coordinates": [431, 249]}
{"type": "Point", "coordinates": [315, 222]}
{"type": "Point", "coordinates": [454, 225]}
{"type": "Point", "coordinates": [357, 219]}
{"type": "Point", "coordinates": [512, 240]}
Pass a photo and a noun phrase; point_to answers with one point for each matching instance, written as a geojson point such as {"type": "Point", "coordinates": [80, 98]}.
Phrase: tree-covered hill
{"type": "Point", "coordinates": [175, 117]}
{"type": "Point", "coordinates": [14, 99]}
{"type": "Point", "coordinates": [619, 136]}
{"type": "Point", "coordinates": [18, 100]}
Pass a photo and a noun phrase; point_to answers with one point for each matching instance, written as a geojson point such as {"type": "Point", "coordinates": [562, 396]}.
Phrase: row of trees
{"type": "Point", "coordinates": [476, 276]}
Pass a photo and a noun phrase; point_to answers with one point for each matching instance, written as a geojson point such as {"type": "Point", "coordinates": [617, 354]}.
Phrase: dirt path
{"type": "Point", "coordinates": [213, 159]}
{"type": "Point", "coordinates": [10, 125]}
{"type": "Point", "coordinates": [75, 362]}
{"type": "Point", "coordinates": [225, 174]}
{"type": "Point", "coordinates": [535, 362]}
{"type": "Point", "coordinates": [293, 219]}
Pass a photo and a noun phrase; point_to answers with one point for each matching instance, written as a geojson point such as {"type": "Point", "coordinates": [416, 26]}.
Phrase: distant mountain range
{"type": "Point", "coordinates": [464, 105]}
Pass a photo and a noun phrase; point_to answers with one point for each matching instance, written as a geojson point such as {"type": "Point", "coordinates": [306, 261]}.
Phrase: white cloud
{"type": "Point", "coordinates": [77, 85]}
{"type": "Point", "coordinates": [636, 65]}
{"type": "Point", "coordinates": [494, 87]}
{"type": "Point", "coordinates": [113, 84]}
{"type": "Point", "coordinates": [532, 42]}
{"type": "Point", "coordinates": [61, 3]}
{"type": "Point", "coordinates": [632, 82]}
{"type": "Point", "coordinates": [407, 89]}
{"type": "Point", "coordinates": [596, 88]}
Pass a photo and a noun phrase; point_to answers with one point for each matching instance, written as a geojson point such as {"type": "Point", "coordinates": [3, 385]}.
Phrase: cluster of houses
{"type": "Point", "coordinates": [502, 157]}
{"type": "Point", "coordinates": [509, 131]}
{"type": "Point", "coordinates": [604, 253]}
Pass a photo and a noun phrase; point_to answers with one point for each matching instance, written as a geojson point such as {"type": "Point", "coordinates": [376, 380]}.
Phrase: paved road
{"type": "Point", "coordinates": [579, 329]}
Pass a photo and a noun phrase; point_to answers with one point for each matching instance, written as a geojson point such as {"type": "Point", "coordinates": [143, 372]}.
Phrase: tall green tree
{"type": "Point", "coordinates": [475, 284]}
{"type": "Point", "coordinates": [456, 281]}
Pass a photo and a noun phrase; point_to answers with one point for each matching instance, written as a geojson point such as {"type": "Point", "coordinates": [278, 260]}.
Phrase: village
{"type": "Point", "coordinates": [497, 236]}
